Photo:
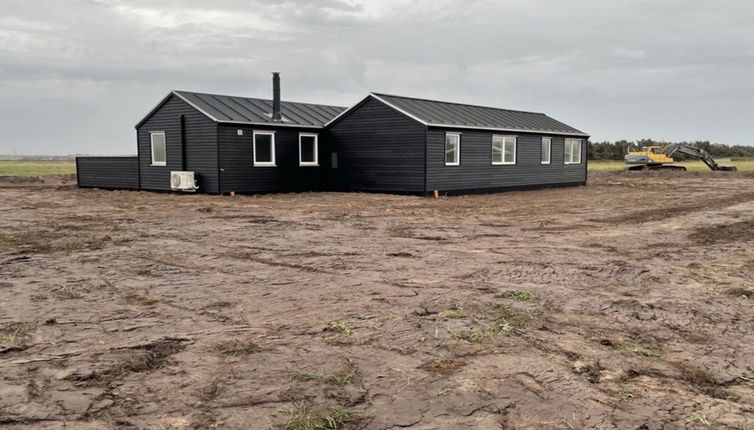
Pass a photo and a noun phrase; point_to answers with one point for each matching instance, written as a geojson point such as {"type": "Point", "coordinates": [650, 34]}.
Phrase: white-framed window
{"type": "Point", "coordinates": [452, 149]}
{"type": "Point", "coordinates": [264, 148]}
{"type": "Point", "coordinates": [159, 149]}
{"type": "Point", "coordinates": [572, 151]}
{"type": "Point", "coordinates": [503, 149]}
{"type": "Point", "coordinates": [308, 149]}
{"type": "Point", "coordinates": [546, 150]}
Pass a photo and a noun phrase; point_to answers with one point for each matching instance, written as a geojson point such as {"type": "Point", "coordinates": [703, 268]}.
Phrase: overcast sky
{"type": "Point", "coordinates": [76, 75]}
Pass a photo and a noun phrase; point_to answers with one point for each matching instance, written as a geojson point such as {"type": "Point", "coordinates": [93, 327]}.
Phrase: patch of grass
{"type": "Point", "coordinates": [342, 327]}
{"type": "Point", "coordinates": [37, 168]}
{"type": "Point", "coordinates": [639, 350]}
{"type": "Point", "coordinates": [340, 379]}
{"type": "Point", "coordinates": [304, 418]}
{"type": "Point", "coordinates": [443, 366]}
{"type": "Point", "coordinates": [238, 346]}
{"type": "Point", "coordinates": [452, 314]}
{"type": "Point", "coordinates": [695, 375]}
{"type": "Point", "coordinates": [16, 333]}
{"type": "Point", "coordinates": [509, 320]}
{"type": "Point", "coordinates": [481, 336]}
{"type": "Point", "coordinates": [626, 393]}
{"type": "Point", "coordinates": [700, 418]}
{"type": "Point", "coordinates": [523, 296]}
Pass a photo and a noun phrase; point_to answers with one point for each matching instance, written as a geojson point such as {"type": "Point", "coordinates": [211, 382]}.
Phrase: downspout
{"type": "Point", "coordinates": [182, 127]}
{"type": "Point", "coordinates": [426, 158]}
{"type": "Point", "coordinates": [138, 161]}
{"type": "Point", "coordinates": [219, 169]}
{"type": "Point", "coordinates": [78, 178]}
{"type": "Point", "coordinates": [586, 160]}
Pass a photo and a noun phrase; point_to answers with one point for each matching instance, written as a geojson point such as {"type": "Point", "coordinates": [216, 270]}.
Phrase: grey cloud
{"type": "Point", "coordinates": [91, 68]}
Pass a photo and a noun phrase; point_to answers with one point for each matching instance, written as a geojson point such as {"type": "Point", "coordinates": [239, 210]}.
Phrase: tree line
{"type": "Point", "coordinates": [616, 150]}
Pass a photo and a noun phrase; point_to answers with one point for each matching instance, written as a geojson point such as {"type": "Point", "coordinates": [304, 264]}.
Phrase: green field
{"type": "Point", "coordinates": [36, 168]}
{"type": "Point", "coordinates": [698, 166]}
{"type": "Point", "coordinates": [65, 167]}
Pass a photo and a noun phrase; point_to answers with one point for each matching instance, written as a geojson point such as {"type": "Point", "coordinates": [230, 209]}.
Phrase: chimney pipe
{"type": "Point", "coordinates": [275, 96]}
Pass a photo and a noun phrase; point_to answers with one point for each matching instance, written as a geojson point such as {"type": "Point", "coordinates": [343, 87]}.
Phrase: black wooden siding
{"type": "Point", "coordinates": [379, 149]}
{"type": "Point", "coordinates": [201, 146]}
{"type": "Point", "coordinates": [239, 174]}
{"type": "Point", "coordinates": [476, 172]}
{"type": "Point", "coordinates": [108, 172]}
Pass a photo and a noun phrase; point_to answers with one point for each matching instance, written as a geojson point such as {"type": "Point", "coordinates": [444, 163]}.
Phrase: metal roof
{"type": "Point", "coordinates": [457, 115]}
{"type": "Point", "coordinates": [253, 111]}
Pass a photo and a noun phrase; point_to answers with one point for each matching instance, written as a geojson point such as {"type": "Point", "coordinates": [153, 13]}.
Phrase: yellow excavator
{"type": "Point", "coordinates": [660, 158]}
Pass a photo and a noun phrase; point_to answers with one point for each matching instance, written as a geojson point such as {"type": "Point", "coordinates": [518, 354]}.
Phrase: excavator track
{"type": "Point", "coordinates": [663, 167]}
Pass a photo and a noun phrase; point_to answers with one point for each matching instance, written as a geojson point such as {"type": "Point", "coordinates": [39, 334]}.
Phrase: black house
{"type": "Point", "coordinates": [384, 143]}
{"type": "Point", "coordinates": [392, 143]}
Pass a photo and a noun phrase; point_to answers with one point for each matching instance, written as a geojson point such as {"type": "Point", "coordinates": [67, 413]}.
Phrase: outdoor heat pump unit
{"type": "Point", "coordinates": [183, 181]}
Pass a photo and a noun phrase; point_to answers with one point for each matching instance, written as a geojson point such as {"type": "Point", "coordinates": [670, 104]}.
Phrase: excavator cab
{"type": "Point", "coordinates": [648, 156]}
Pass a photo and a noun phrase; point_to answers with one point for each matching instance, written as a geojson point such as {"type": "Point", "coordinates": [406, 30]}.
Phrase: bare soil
{"type": "Point", "coordinates": [625, 304]}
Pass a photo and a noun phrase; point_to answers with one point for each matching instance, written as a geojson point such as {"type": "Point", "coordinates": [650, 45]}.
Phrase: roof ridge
{"type": "Point", "coordinates": [255, 98]}
{"type": "Point", "coordinates": [457, 103]}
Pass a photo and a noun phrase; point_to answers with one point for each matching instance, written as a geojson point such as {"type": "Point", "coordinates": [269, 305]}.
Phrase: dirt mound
{"type": "Point", "coordinates": [741, 231]}
{"type": "Point", "coordinates": [47, 180]}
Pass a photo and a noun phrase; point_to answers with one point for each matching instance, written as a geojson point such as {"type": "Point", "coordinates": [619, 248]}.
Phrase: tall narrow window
{"type": "Point", "coordinates": [452, 149]}
{"type": "Point", "coordinates": [572, 151]}
{"type": "Point", "coordinates": [264, 148]}
{"type": "Point", "coordinates": [546, 150]}
{"type": "Point", "coordinates": [307, 149]}
{"type": "Point", "coordinates": [503, 149]}
{"type": "Point", "coordinates": [159, 151]}
{"type": "Point", "coordinates": [334, 160]}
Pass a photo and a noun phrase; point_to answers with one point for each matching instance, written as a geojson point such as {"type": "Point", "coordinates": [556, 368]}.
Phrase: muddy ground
{"type": "Point", "coordinates": [623, 304]}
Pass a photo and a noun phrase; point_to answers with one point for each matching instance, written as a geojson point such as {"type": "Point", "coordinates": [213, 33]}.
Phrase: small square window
{"type": "Point", "coordinates": [159, 149]}
{"type": "Point", "coordinates": [504, 149]}
{"type": "Point", "coordinates": [307, 150]}
{"type": "Point", "coordinates": [452, 149]}
{"type": "Point", "coordinates": [264, 148]}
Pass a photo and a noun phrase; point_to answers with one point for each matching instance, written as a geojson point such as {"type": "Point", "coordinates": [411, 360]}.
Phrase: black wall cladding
{"type": "Point", "coordinates": [108, 172]}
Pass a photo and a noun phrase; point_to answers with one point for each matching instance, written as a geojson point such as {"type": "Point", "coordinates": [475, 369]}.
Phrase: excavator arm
{"type": "Point", "coordinates": [698, 153]}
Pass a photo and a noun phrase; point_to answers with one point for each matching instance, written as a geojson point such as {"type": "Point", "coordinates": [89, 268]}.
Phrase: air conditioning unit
{"type": "Point", "coordinates": [183, 181]}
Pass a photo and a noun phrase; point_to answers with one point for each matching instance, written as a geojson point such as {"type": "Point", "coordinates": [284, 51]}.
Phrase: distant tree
{"type": "Point", "coordinates": [616, 150]}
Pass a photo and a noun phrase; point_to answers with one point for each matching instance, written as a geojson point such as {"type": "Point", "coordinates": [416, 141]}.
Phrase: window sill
{"type": "Point", "coordinates": [453, 165]}
{"type": "Point", "coordinates": [159, 164]}
{"type": "Point", "coordinates": [503, 164]}
{"type": "Point", "coordinates": [308, 164]}
{"type": "Point", "coordinates": [544, 163]}
{"type": "Point", "coordinates": [265, 165]}
{"type": "Point", "coordinates": [572, 163]}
